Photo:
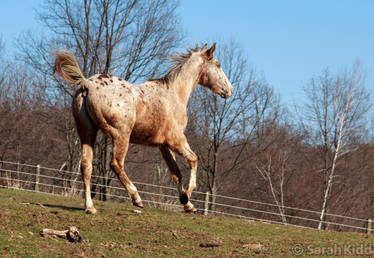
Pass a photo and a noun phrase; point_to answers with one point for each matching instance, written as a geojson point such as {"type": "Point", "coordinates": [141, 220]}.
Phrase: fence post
{"type": "Point", "coordinates": [369, 226]}
{"type": "Point", "coordinates": [18, 170]}
{"type": "Point", "coordinates": [37, 178]}
{"type": "Point", "coordinates": [206, 204]}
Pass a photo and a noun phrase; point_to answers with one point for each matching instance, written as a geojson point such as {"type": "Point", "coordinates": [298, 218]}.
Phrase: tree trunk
{"type": "Point", "coordinates": [213, 186]}
{"type": "Point", "coordinates": [331, 175]}
{"type": "Point", "coordinates": [212, 202]}
{"type": "Point", "coordinates": [321, 224]}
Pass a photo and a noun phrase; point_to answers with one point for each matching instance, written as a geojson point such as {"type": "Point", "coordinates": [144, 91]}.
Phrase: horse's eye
{"type": "Point", "coordinates": [218, 65]}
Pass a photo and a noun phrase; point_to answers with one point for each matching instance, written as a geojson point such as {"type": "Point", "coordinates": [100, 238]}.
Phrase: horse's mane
{"type": "Point", "coordinates": [178, 60]}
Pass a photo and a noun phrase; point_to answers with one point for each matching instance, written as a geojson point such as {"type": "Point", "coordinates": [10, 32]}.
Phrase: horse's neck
{"type": "Point", "coordinates": [186, 82]}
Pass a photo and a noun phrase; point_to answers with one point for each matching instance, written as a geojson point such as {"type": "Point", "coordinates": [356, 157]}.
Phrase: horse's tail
{"type": "Point", "coordinates": [67, 67]}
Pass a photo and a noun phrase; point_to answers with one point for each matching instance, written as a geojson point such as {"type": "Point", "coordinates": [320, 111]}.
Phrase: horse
{"type": "Point", "coordinates": [152, 113]}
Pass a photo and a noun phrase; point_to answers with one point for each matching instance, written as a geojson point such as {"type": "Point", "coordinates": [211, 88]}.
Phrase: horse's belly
{"type": "Point", "coordinates": [149, 123]}
{"type": "Point", "coordinates": [146, 134]}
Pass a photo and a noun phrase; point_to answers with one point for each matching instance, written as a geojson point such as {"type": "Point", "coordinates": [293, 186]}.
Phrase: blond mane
{"type": "Point", "coordinates": [178, 61]}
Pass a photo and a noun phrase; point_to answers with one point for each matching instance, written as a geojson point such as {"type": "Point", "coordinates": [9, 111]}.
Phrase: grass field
{"type": "Point", "coordinates": [117, 231]}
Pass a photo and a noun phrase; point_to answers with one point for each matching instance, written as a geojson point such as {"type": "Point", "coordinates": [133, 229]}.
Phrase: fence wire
{"type": "Point", "coordinates": [54, 181]}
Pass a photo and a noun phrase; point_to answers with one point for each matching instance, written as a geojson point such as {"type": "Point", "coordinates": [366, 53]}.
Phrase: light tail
{"type": "Point", "coordinates": [67, 67]}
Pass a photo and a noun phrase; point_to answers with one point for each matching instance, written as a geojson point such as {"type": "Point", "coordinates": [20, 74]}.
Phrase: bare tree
{"type": "Point", "coordinates": [3, 71]}
{"type": "Point", "coordinates": [129, 39]}
{"type": "Point", "coordinates": [275, 161]}
{"type": "Point", "coordinates": [336, 109]}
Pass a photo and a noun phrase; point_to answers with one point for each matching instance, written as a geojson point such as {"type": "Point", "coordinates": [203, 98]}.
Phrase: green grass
{"type": "Point", "coordinates": [116, 231]}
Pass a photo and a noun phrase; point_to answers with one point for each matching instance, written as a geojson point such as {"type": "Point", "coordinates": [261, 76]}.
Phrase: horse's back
{"type": "Point", "coordinates": [111, 103]}
{"type": "Point", "coordinates": [144, 113]}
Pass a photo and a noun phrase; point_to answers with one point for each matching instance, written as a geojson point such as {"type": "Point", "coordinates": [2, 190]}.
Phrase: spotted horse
{"type": "Point", "coordinates": [152, 113]}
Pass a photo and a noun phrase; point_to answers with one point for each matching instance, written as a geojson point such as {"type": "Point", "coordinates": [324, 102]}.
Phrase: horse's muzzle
{"type": "Point", "coordinates": [225, 93]}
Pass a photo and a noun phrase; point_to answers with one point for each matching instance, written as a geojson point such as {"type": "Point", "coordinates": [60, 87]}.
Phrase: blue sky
{"type": "Point", "coordinates": [288, 41]}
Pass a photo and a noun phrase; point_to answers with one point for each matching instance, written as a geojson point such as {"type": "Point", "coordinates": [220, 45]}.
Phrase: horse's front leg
{"type": "Point", "coordinates": [191, 158]}
{"type": "Point", "coordinates": [182, 148]}
{"type": "Point", "coordinates": [120, 147]}
{"type": "Point", "coordinates": [169, 158]}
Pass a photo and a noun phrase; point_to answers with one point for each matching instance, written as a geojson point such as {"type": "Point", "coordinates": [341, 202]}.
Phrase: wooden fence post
{"type": "Point", "coordinates": [369, 226]}
{"type": "Point", "coordinates": [37, 178]}
{"type": "Point", "coordinates": [18, 170]}
{"type": "Point", "coordinates": [206, 204]}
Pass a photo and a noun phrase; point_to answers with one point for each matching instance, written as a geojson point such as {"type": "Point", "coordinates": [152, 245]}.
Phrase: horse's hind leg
{"type": "Point", "coordinates": [120, 147]}
{"type": "Point", "coordinates": [87, 133]}
{"type": "Point", "coordinates": [86, 168]}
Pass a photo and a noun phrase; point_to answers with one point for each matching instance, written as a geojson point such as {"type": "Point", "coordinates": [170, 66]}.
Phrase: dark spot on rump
{"type": "Point", "coordinates": [97, 88]}
{"type": "Point", "coordinates": [120, 79]}
{"type": "Point", "coordinates": [105, 83]}
{"type": "Point", "coordinates": [102, 84]}
{"type": "Point", "coordinates": [111, 80]}
{"type": "Point", "coordinates": [117, 105]}
{"type": "Point", "coordinates": [120, 95]}
{"type": "Point", "coordinates": [96, 82]}
{"type": "Point", "coordinates": [91, 79]}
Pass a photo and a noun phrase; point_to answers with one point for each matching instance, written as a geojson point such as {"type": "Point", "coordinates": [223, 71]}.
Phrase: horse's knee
{"type": "Point", "coordinates": [192, 159]}
{"type": "Point", "coordinates": [176, 178]}
{"type": "Point", "coordinates": [114, 165]}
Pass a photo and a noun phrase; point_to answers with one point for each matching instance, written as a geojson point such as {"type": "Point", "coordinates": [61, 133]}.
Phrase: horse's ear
{"type": "Point", "coordinates": [204, 48]}
{"type": "Point", "coordinates": [210, 51]}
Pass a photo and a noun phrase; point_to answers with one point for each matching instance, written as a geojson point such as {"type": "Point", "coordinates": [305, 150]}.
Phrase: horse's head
{"type": "Point", "coordinates": [212, 75]}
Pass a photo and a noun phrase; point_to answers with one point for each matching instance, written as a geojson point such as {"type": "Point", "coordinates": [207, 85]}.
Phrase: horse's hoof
{"type": "Point", "coordinates": [183, 198]}
{"type": "Point", "coordinates": [189, 208]}
{"type": "Point", "coordinates": [138, 204]}
{"type": "Point", "coordinates": [91, 210]}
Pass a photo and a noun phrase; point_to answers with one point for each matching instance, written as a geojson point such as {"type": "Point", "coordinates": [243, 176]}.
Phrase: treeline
{"type": "Point", "coordinates": [316, 155]}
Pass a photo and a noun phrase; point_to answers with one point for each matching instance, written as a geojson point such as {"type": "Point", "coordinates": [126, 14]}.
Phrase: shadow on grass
{"type": "Point", "coordinates": [63, 207]}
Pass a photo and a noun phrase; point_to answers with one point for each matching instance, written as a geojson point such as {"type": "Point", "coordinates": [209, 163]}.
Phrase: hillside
{"type": "Point", "coordinates": [117, 231]}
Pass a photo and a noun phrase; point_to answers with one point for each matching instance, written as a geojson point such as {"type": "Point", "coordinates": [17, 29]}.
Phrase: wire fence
{"type": "Point", "coordinates": [36, 178]}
